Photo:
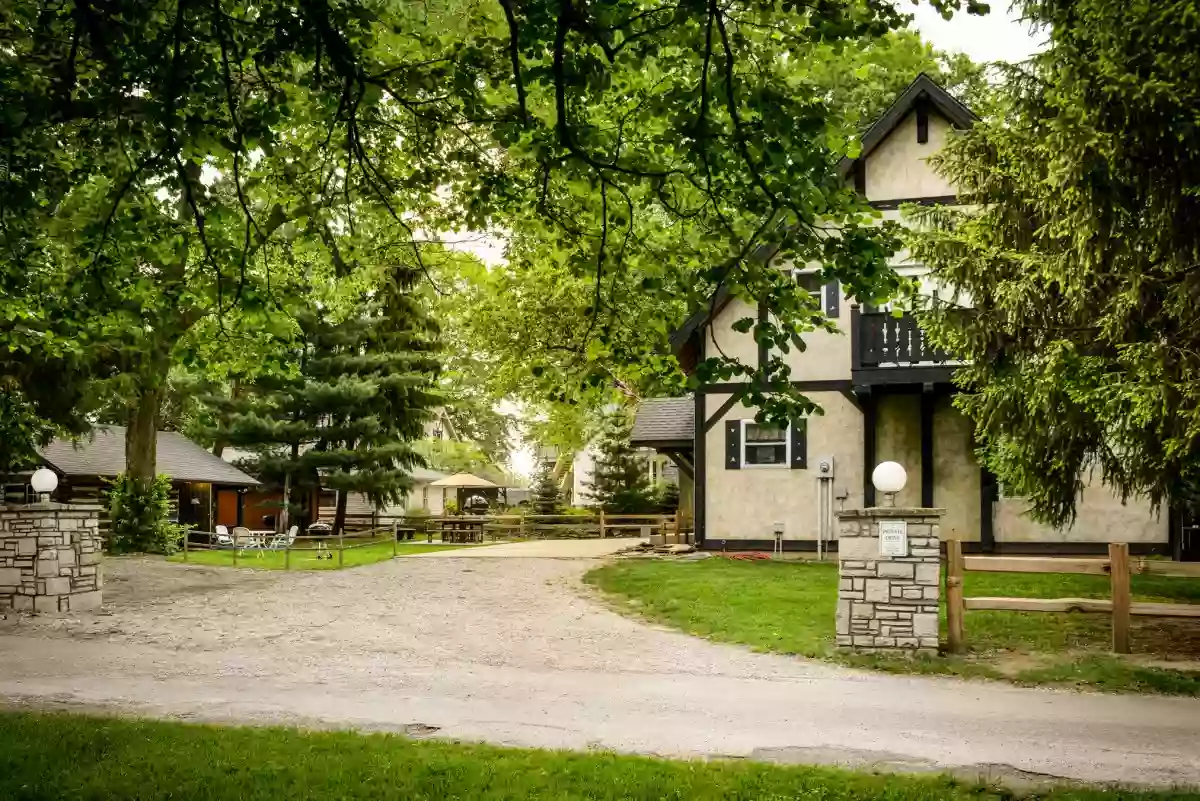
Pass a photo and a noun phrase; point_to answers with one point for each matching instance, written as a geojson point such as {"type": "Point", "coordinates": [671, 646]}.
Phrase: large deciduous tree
{"type": "Point", "coordinates": [158, 155]}
{"type": "Point", "coordinates": [1081, 258]}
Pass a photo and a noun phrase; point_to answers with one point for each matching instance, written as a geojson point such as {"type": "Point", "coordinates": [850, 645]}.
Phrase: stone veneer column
{"type": "Point", "coordinates": [888, 604]}
{"type": "Point", "coordinates": [50, 557]}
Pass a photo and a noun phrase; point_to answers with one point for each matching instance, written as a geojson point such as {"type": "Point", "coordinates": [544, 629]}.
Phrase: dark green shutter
{"type": "Point", "coordinates": [733, 444]}
{"type": "Point", "coordinates": [833, 299]}
{"type": "Point", "coordinates": [800, 444]}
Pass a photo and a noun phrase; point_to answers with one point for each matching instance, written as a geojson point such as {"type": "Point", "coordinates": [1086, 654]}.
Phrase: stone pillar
{"type": "Point", "coordinates": [50, 557]}
{"type": "Point", "coordinates": [888, 603]}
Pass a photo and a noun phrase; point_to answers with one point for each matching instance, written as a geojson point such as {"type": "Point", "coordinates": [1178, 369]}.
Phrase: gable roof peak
{"type": "Point", "coordinates": [922, 88]}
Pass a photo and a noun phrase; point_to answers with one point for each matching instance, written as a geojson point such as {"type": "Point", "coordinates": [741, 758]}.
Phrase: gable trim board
{"type": "Point", "coordinates": [934, 200]}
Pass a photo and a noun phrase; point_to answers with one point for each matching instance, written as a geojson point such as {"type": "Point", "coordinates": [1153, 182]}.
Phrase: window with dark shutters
{"type": "Point", "coordinates": [733, 444]}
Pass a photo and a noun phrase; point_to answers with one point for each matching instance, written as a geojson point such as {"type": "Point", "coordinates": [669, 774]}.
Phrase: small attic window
{"type": "Point", "coordinates": [922, 121]}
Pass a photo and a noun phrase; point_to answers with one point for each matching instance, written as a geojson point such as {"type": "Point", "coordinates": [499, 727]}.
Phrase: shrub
{"type": "Point", "coordinates": [138, 515]}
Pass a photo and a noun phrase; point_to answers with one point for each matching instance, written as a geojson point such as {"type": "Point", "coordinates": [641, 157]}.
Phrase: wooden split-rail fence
{"type": "Point", "coordinates": [1118, 567]}
{"type": "Point", "coordinates": [478, 528]}
{"type": "Point", "coordinates": [249, 545]}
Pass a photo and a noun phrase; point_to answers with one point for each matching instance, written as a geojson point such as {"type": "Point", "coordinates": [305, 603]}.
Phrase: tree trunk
{"type": "Point", "coordinates": [220, 443]}
{"type": "Point", "coordinates": [339, 517]}
{"type": "Point", "coordinates": [141, 435]}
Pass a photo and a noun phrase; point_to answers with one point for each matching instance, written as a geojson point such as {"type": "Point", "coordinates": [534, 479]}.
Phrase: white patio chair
{"type": "Point", "coordinates": [222, 537]}
{"type": "Point", "coordinates": [281, 541]}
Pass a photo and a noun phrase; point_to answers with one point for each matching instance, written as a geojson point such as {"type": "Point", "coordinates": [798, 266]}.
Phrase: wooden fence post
{"type": "Point", "coordinates": [521, 528]}
{"type": "Point", "coordinates": [287, 553]}
{"type": "Point", "coordinates": [395, 534]}
{"type": "Point", "coordinates": [187, 535]}
{"type": "Point", "coordinates": [235, 539]}
{"type": "Point", "coordinates": [678, 532]}
{"type": "Point", "coordinates": [601, 523]}
{"type": "Point", "coordinates": [955, 567]}
{"type": "Point", "coordinates": [341, 548]}
{"type": "Point", "coordinates": [1118, 560]}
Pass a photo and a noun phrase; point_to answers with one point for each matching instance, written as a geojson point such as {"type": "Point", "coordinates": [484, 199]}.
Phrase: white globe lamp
{"type": "Point", "coordinates": [44, 482]}
{"type": "Point", "coordinates": [889, 478]}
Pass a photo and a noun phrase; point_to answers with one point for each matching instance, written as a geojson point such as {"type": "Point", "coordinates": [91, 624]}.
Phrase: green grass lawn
{"type": "Point", "coordinates": [788, 607]}
{"type": "Point", "coordinates": [365, 553]}
{"type": "Point", "coordinates": [45, 756]}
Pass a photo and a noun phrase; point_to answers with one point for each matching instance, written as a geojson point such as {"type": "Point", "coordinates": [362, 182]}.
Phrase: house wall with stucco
{"type": "Point", "coordinates": [746, 503]}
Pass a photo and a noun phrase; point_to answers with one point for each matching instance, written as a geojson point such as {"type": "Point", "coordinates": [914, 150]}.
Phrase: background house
{"type": "Point", "coordinates": [885, 391]}
{"type": "Point", "coordinates": [198, 478]}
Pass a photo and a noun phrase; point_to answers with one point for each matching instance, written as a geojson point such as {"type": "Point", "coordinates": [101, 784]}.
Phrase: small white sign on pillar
{"type": "Point", "coordinates": [893, 538]}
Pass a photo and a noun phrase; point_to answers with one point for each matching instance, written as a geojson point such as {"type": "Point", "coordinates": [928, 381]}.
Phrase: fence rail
{"type": "Point", "coordinates": [533, 526]}
{"type": "Point", "coordinates": [259, 544]}
{"type": "Point", "coordinates": [1118, 567]}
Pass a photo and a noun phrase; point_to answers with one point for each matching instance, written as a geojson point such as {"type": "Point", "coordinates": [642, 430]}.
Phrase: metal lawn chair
{"type": "Point", "coordinates": [246, 540]}
{"type": "Point", "coordinates": [283, 541]}
{"type": "Point", "coordinates": [222, 537]}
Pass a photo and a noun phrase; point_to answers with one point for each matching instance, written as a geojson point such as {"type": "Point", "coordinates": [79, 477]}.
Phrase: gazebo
{"type": "Point", "coordinates": [464, 483]}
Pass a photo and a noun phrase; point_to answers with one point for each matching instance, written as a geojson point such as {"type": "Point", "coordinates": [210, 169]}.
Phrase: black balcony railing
{"type": "Point", "coordinates": [880, 339]}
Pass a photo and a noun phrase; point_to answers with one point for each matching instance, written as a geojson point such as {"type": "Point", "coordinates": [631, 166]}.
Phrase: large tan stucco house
{"type": "Point", "coordinates": [886, 395]}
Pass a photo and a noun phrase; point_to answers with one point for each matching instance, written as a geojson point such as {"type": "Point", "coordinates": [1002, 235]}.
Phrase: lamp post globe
{"type": "Point", "coordinates": [889, 478]}
{"type": "Point", "coordinates": [44, 481]}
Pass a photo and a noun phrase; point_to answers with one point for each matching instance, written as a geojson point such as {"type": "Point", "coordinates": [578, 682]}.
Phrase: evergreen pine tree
{"type": "Point", "coordinates": [619, 482]}
{"type": "Point", "coordinates": [667, 498]}
{"type": "Point", "coordinates": [546, 500]}
{"type": "Point", "coordinates": [346, 418]}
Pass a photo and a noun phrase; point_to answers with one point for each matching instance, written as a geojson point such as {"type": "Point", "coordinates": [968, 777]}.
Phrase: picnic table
{"type": "Point", "coordinates": [405, 533]}
{"type": "Point", "coordinates": [463, 529]}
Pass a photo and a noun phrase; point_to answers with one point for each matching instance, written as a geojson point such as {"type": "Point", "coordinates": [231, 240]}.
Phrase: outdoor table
{"type": "Point", "coordinates": [405, 533]}
{"type": "Point", "coordinates": [463, 530]}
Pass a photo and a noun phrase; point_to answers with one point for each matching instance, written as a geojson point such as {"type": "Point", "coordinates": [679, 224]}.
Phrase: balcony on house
{"type": "Point", "coordinates": [886, 349]}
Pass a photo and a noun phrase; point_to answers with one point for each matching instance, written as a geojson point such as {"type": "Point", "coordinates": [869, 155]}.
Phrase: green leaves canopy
{"type": "Point", "coordinates": [156, 154]}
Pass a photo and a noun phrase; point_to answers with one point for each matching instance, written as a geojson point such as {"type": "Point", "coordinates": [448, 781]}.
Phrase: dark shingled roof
{"type": "Point", "coordinates": [104, 455]}
{"type": "Point", "coordinates": [665, 421]}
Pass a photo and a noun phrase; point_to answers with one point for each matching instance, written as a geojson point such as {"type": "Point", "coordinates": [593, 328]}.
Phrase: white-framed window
{"type": "Point", "coordinates": [766, 445]}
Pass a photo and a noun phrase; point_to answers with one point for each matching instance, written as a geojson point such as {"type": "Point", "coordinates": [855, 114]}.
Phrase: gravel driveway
{"type": "Point", "coordinates": [514, 650]}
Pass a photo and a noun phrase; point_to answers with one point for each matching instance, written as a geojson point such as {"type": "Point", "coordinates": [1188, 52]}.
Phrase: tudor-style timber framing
{"type": "Point", "coordinates": [927, 465]}
{"type": "Point", "coordinates": [883, 388]}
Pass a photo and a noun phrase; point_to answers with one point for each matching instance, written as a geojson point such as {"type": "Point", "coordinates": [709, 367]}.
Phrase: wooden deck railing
{"type": "Point", "coordinates": [1118, 567]}
{"type": "Point", "coordinates": [884, 340]}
